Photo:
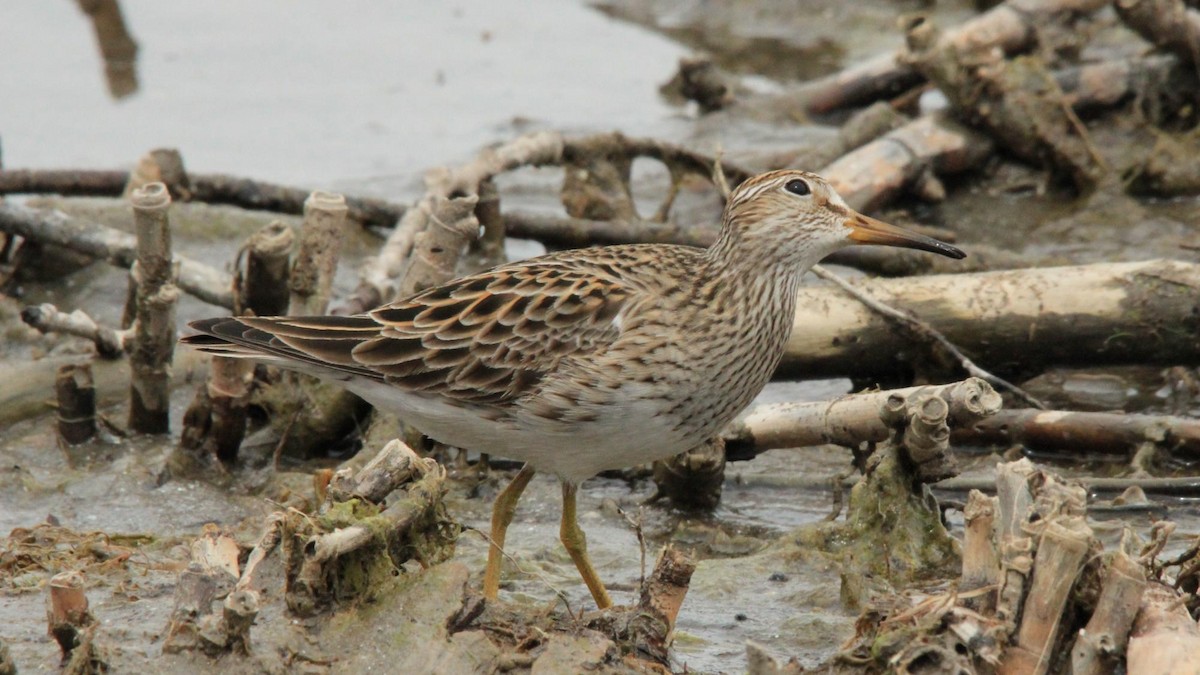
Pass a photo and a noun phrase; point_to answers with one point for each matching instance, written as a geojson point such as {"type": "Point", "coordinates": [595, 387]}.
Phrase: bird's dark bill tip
{"type": "Point", "coordinates": [865, 230]}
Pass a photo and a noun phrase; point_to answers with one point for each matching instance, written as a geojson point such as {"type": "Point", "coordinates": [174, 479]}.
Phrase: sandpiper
{"type": "Point", "coordinates": [583, 360]}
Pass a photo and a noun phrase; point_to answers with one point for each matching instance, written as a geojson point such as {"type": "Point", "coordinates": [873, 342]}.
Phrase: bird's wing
{"type": "Point", "coordinates": [484, 338]}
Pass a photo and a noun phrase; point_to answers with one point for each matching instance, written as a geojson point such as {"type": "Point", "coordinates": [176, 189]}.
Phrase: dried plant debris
{"type": "Point", "coordinates": [1058, 602]}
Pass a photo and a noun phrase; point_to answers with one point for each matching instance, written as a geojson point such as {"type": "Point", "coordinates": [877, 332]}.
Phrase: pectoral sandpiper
{"type": "Point", "coordinates": [583, 360]}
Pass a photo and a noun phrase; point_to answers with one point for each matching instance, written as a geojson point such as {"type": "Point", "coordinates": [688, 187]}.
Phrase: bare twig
{"type": "Point", "coordinates": [920, 329]}
{"type": "Point", "coordinates": [46, 318]}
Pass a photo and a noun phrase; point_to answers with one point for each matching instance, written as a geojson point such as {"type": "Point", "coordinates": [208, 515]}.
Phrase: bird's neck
{"type": "Point", "coordinates": [730, 266]}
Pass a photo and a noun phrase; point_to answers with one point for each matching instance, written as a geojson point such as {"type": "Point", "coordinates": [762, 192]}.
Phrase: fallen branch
{"type": "Point", "coordinates": [874, 174]}
{"type": "Point", "coordinates": [244, 193]}
{"type": "Point", "coordinates": [1089, 432]}
{"type": "Point", "coordinates": [111, 245]}
{"type": "Point", "coordinates": [1016, 321]}
{"type": "Point", "coordinates": [850, 420]}
{"type": "Point", "coordinates": [1017, 101]}
{"type": "Point", "coordinates": [46, 318]}
{"type": "Point", "coordinates": [1013, 27]}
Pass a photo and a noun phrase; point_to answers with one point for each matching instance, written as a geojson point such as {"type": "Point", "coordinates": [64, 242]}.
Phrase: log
{"type": "Point", "coordinates": [1064, 430]}
{"type": "Point", "coordinates": [1012, 322]}
{"type": "Point", "coordinates": [875, 173]}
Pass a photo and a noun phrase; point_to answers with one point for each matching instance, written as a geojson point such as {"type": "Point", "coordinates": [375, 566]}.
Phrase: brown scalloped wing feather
{"type": "Point", "coordinates": [486, 338]}
{"type": "Point", "coordinates": [491, 337]}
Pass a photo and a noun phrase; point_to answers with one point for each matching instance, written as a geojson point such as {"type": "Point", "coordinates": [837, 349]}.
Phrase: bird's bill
{"type": "Point", "coordinates": [867, 230]}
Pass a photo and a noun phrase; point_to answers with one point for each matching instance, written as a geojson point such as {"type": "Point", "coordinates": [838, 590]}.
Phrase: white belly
{"type": "Point", "coordinates": [623, 434]}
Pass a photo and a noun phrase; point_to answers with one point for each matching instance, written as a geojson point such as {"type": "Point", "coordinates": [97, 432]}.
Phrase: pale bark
{"type": "Point", "coordinates": [1009, 322]}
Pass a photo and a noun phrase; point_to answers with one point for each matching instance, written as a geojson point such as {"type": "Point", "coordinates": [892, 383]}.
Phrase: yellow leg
{"type": "Point", "coordinates": [576, 545]}
{"type": "Point", "coordinates": [502, 515]}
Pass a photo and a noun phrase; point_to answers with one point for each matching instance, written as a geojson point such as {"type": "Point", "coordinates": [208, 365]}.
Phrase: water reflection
{"type": "Point", "coordinates": [117, 47]}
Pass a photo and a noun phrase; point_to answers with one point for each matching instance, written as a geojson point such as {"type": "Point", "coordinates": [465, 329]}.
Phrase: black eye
{"type": "Point", "coordinates": [798, 187]}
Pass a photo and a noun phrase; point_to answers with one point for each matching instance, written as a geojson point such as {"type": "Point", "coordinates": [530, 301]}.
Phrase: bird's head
{"type": "Point", "coordinates": [798, 217]}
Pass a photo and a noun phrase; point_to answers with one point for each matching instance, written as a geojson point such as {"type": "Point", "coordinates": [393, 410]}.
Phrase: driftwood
{"type": "Point", "coordinates": [335, 555]}
{"type": "Point", "coordinates": [595, 188]}
{"type": "Point", "coordinates": [1013, 27]}
{"type": "Point", "coordinates": [1091, 432]}
{"type": "Point", "coordinates": [46, 318]}
{"type": "Point", "coordinates": [1010, 321]}
{"type": "Point", "coordinates": [208, 188]}
{"type": "Point", "coordinates": [379, 279]}
{"type": "Point", "coordinates": [75, 394]}
{"type": "Point", "coordinates": [447, 227]}
{"type": "Point", "coordinates": [850, 420]}
{"type": "Point", "coordinates": [1018, 101]}
{"type": "Point", "coordinates": [311, 280]}
{"type": "Point", "coordinates": [914, 330]}
{"type": "Point", "coordinates": [1019, 618]}
{"type": "Point", "coordinates": [1165, 638]}
{"type": "Point", "coordinates": [1170, 25]}
{"type": "Point", "coordinates": [111, 245]}
{"type": "Point", "coordinates": [980, 560]}
{"type": "Point", "coordinates": [153, 343]}
{"type": "Point", "coordinates": [1101, 644]}
{"type": "Point", "coordinates": [262, 282]}
{"type": "Point", "coordinates": [210, 576]}
{"type": "Point", "coordinates": [306, 413]}
{"type": "Point", "coordinates": [875, 173]}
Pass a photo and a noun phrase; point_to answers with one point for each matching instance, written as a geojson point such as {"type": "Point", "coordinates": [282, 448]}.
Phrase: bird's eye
{"type": "Point", "coordinates": [798, 187]}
